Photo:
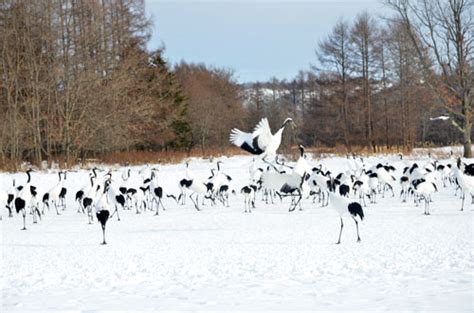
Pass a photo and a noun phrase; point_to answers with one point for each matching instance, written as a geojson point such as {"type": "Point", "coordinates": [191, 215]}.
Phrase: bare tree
{"type": "Point", "coordinates": [404, 71]}
{"type": "Point", "coordinates": [363, 38]}
{"type": "Point", "coordinates": [334, 53]}
{"type": "Point", "coordinates": [213, 103]}
{"type": "Point", "coordinates": [76, 79]}
{"type": "Point", "coordinates": [443, 35]}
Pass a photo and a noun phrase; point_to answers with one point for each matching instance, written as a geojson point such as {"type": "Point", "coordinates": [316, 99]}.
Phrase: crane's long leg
{"type": "Point", "coordinates": [89, 214]}
{"type": "Point", "coordinates": [357, 227]}
{"type": "Point", "coordinates": [195, 204]}
{"type": "Point", "coordinates": [162, 206]}
{"type": "Point", "coordinates": [24, 219]}
{"type": "Point", "coordinates": [35, 221]}
{"type": "Point", "coordinates": [45, 204]}
{"type": "Point", "coordinates": [116, 210]}
{"type": "Point", "coordinates": [157, 205]}
{"type": "Point", "coordinates": [38, 212]}
{"type": "Point", "coordinates": [32, 212]}
{"type": "Point", "coordinates": [292, 203]}
{"type": "Point", "coordinates": [299, 200]}
{"type": "Point", "coordinates": [340, 232]}
{"type": "Point", "coordinates": [103, 235]}
{"type": "Point", "coordinates": [197, 201]}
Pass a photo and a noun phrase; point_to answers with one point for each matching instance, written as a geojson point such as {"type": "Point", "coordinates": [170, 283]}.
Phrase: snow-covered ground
{"type": "Point", "coordinates": [223, 259]}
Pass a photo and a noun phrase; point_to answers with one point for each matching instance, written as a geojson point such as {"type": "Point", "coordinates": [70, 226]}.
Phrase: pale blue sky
{"type": "Point", "coordinates": [258, 39]}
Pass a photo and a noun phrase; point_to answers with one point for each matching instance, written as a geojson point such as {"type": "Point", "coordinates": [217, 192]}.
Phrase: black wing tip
{"type": "Point", "coordinates": [356, 209]}
{"type": "Point", "coordinates": [246, 147]}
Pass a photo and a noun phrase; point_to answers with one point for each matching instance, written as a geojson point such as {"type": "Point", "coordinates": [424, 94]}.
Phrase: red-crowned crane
{"type": "Point", "coordinates": [261, 141]}
{"type": "Point", "coordinates": [346, 207]}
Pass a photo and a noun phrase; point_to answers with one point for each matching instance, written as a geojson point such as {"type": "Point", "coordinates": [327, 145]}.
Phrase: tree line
{"type": "Point", "coordinates": [399, 82]}
{"type": "Point", "coordinates": [76, 80]}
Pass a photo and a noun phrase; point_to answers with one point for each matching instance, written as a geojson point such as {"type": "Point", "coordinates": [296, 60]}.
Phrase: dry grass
{"type": "Point", "coordinates": [173, 157]}
{"type": "Point", "coordinates": [122, 158]}
{"type": "Point", "coordinates": [341, 150]}
{"type": "Point", "coordinates": [9, 166]}
{"type": "Point", "coordinates": [163, 157]}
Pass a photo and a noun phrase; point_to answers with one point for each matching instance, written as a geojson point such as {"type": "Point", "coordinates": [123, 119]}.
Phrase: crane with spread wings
{"type": "Point", "coordinates": [261, 141]}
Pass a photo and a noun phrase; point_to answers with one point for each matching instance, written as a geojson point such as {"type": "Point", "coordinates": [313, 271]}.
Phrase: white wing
{"type": "Point", "coordinates": [238, 137]}
{"type": "Point", "coordinates": [256, 142]}
{"type": "Point", "coordinates": [263, 134]}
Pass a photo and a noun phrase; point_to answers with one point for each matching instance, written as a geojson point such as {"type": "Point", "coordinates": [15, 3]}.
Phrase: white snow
{"type": "Point", "coordinates": [223, 259]}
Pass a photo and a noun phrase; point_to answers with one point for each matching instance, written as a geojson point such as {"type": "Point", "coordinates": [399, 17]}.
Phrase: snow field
{"type": "Point", "coordinates": [224, 259]}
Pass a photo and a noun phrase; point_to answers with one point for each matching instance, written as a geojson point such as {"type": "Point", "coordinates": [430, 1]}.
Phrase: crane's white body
{"type": "Point", "coordinates": [3, 201]}
{"type": "Point", "coordinates": [344, 207]}
{"type": "Point", "coordinates": [55, 192]}
{"type": "Point", "coordinates": [423, 191]}
{"type": "Point", "coordinates": [466, 183]}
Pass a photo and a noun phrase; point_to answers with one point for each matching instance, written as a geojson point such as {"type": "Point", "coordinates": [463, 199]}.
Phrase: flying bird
{"type": "Point", "coordinates": [260, 141]}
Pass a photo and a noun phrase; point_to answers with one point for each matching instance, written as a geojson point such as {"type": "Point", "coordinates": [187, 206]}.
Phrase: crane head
{"type": "Point", "coordinates": [301, 147]}
{"type": "Point", "coordinates": [289, 121]}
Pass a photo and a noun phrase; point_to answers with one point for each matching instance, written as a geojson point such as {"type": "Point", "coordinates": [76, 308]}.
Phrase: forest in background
{"type": "Point", "coordinates": [77, 81]}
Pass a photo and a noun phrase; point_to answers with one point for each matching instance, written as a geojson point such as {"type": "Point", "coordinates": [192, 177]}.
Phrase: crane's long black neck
{"type": "Point", "coordinates": [59, 174]}
{"type": "Point", "coordinates": [284, 124]}
{"type": "Point", "coordinates": [272, 165]}
{"type": "Point", "coordinates": [301, 151]}
{"type": "Point", "coordinates": [303, 178]}
{"type": "Point", "coordinates": [29, 176]}
{"type": "Point", "coordinates": [92, 181]}
{"type": "Point", "coordinates": [107, 185]}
